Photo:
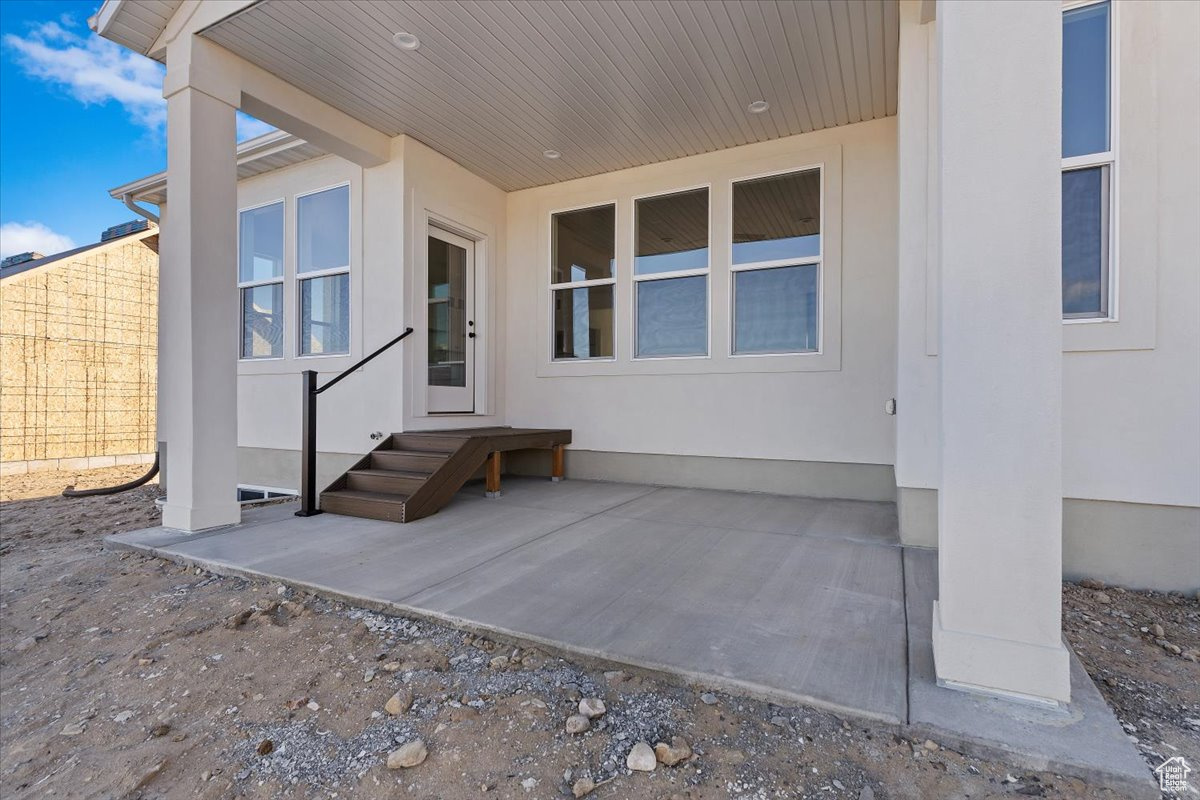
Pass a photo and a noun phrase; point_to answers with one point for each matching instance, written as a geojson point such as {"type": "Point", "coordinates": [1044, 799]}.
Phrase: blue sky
{"type": "Point", "coordinates": [78, 116]}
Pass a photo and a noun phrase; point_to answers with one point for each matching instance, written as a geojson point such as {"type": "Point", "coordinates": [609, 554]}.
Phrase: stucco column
{"type": "Point", "coordinates": [198, 309]}
{"type": "Point", "coordinates": [997, 624]}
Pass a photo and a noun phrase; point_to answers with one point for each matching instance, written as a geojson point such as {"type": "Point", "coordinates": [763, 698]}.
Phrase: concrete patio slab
{"type": "Point", "coordinates": [1086, 740]}
{"type": "Point", "coordinates": [583, 497]}
{"type": "Point", "coordinates": [792, 599]}
{"type": "Point", "coordinates": [856, 520]}
{"type": "Point", "coordinates": [807, 619]}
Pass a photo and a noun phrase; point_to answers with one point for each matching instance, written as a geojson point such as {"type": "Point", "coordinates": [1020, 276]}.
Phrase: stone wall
{"type": "Point", "coordinates": [78, 358]}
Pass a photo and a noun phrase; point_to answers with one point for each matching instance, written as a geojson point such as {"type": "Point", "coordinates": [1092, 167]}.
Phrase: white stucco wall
{"type": "Point", "coordinates": [826, 407]}
{"type": "Point", "coordinates": [1131, 387]}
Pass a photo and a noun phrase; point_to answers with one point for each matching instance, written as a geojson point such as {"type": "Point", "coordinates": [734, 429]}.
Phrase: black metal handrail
{"type": "Point", "coordinates": [308, 441]}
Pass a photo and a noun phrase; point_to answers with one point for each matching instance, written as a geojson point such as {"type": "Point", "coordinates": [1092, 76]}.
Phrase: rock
{"type": "Point", "coordinates": [161, 729]}
{"type": "Point", "coordinates": [1158, 631]}
{"type": "Point", "coordinates": [867, 793]}
{"type": "Point", "coordinates": [145, 662]}
{"type": "Point", "coordinates": [931, 745]}
{"type": "Point", "coordinates": [265, 747]}
{"type": "Point", "coordinates": [368, 676]}
{"type": "Point", "coordinates": [582, 787]}
{"type": "Point", "coordinates": [529, 783]}
{"type": "Point", "coordinates": [592, 707]}
{"type": "Point", "coordinates": [708, 698]}
{"type": "Point", "coordinates": [641, 758]}
{"type": "Point", "coordinates": [399, 703]}
{"type": "Point", "coordinates": [1102, 597]}
{"type": "Point", "coordinates": [1091, 583]}
{"type": "Point", "coordinates": [1173, 648]}
{"type": "Point", "coordinates": [779, 722]}
{"type": "Point", "coordinates": [391, 666]}
{"type": "Point", "coordinates": [499, 662]}
{"type": "Point", "coordinates": [313, 705]}
{"type": "Point", "coordinates": [578, 723]}
{"type": "Point", "coordinates": [25, 644]}
{"type": "Point", "coordinates": [407, 755]}
{"type": "Point", "coordinates": [72, 729]}
{"type": "Point", "coordinates": [841, 787]}
{"type": "Point", "coordinates": [123, 717]}
{"type": "Point", "coordinates": [675, 752]}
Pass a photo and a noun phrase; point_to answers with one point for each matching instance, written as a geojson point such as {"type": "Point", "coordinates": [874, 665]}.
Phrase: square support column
{"type": "Point", "coordinates": [997, 624]}
{"type": "Point", "coordinates": [198, 312]}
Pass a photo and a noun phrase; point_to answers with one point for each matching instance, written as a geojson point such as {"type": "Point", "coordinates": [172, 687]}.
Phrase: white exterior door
{"type": "Point", "coordinates": [450, 315]}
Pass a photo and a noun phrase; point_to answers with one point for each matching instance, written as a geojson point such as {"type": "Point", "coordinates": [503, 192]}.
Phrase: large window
{"type": "Point", "coordinates": [260, 280]}
{"type": "Point", "coordinates": [670, 274]}
{"type": "Point", "coordinates": [1088, 161]}
{"type": "Point", "coordinates": [776, 263]}
{"type": "Point", "coordinates": [582, 281]}
{"type": "Point", "coordinates": [323, 271]}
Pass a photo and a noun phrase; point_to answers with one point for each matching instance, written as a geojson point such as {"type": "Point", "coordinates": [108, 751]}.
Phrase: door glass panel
{"type": "Point", "coordinates": [447, 314]}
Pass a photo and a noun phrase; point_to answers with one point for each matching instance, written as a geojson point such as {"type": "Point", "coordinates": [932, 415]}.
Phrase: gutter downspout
{"type": "Point", "coordinates": [127, 199]}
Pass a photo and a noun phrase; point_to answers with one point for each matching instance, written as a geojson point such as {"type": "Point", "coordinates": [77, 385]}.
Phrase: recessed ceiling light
{"type": "Point", "coordinates": [551, 154]}
{"type": "Point", "coordinates": [406, 41]}
{"type": "Point", "coordinates": [758, 106]}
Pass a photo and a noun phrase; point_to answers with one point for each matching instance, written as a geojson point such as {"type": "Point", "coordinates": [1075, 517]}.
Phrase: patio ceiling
{"type": "Point", "coordinates": [609, 85]}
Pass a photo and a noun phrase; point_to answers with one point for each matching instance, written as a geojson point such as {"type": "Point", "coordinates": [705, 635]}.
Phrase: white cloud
{"type": "Point", "coordinates": [248, 127]}
{"type": "Point", "coordinates": [94, 71]}
{"type": "Point", "coordinates": [24, 237]}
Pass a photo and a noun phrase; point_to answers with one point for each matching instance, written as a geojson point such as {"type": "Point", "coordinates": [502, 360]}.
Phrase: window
{"type": "Point", "coordinates": [1088, 162]}
{"type": "Point", "coordinates": [670, 274]}
{"type": "Point", "coordinates": [583, 247]}
{"type": "Point", "coordinates": [323, 270]}
{"type": "Point", "coordinates": [777, 263]}
{"type": "Point", "coordinates": [260, 280]}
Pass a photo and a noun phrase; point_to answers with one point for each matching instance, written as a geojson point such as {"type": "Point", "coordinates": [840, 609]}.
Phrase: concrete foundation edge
{"type": "Point", "coordinates": [1136, 545]}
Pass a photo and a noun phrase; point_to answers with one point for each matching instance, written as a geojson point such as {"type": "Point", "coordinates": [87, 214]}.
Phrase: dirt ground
{"type": "Point", "coordinates": [127, 676]}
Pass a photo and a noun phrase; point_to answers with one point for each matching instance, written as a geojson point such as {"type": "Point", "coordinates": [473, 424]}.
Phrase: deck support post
{"type": "Point", "coordinates": [556, 463]}
{"type": "Point", "coordinates": [493, 475]}
{"type": "Point", "coordinates": [198, 317]}
{"type": "Point", "coordinates": [997, 622]}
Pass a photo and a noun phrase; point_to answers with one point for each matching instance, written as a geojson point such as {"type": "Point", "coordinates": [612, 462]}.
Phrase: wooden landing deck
{"type": "Point", "coordinates": [414, 474]}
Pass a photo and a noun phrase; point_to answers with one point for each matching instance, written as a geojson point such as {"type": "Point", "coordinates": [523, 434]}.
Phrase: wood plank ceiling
{"type": "Point", "coordinates": [609, 85]}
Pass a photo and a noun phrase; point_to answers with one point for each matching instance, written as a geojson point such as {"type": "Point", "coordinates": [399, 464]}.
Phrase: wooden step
{"type": "Point", "coordinates": [358, 503]}
{"type": "Point", "coordinates": [388, 481]}
{"type": "Point", "coordinates": [425, 442]}
{"type": "Point", "coordinates": [408, 460]}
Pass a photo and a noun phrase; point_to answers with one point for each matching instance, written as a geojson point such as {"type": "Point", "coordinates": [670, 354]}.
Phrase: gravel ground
{"type": "Point", "coordinates": [127, 676]}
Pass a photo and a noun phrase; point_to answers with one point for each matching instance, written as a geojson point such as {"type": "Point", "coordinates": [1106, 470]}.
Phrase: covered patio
{"type": "Point", "coordinates": [797, 600]}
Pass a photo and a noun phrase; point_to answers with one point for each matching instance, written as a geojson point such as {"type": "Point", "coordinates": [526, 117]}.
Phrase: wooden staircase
{"type": "Point", "coordinates": [412, 475]}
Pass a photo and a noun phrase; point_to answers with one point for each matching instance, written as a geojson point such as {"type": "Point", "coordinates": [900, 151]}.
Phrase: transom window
{"type": "Point", "coordinates": [1088, 161]}
{"type": "Point", "coordinates": [583, 250]}
{"type": "Point", "coordinates": [323, 271]}
{"type": "Point", "coordinates": [777, 263]}
{"type": "Point", "coordinates": [260, 280]}
{"type": "Point", "coordinates": [670, 274]}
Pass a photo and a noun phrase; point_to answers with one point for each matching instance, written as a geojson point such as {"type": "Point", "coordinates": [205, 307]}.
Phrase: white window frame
{"type": "Point", "coordinates": [637, 279]}
{"type": "Point", "coordinates": [281, 279]}
{"type": "Point", "coordinates": [609, 281]}
{"type": "Point", "coordinates": [1107, 158]}
{"type": "Point", "coordinates": [301, 277]}
{"type": "Point", "coordinates": [818, 259]}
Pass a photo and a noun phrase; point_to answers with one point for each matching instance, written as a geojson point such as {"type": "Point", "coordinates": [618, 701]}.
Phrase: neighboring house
{"type": "Point", "coordinates": [942, 254]}
{"type": "Point", "coordinates": [79, 353]}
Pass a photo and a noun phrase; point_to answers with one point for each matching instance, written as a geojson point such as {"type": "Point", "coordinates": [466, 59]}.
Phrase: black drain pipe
{"type": "Point", "coordinates": [71, 491]}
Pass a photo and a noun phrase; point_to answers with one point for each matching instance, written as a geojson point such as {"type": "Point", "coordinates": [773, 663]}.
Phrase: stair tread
{"type": "Point", "coordinates": [361, 494]}
{"type": "Point", "coordinates": [389, 473]}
